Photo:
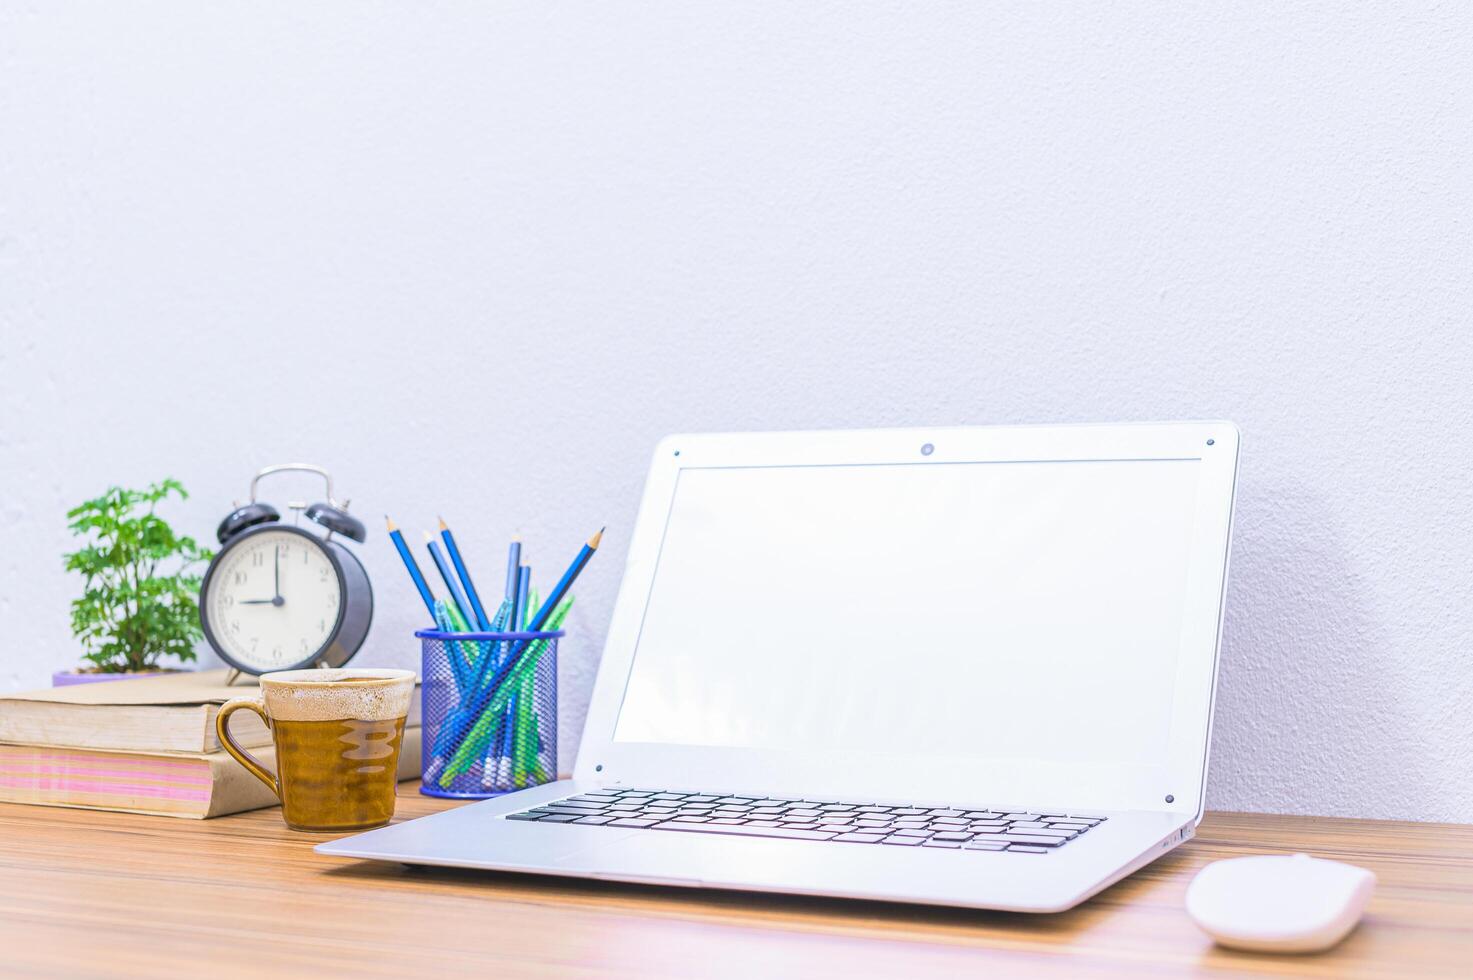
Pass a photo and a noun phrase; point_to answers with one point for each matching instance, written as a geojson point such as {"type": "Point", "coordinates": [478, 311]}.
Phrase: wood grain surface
{"type": "Point", "coordinates": [87, 893]}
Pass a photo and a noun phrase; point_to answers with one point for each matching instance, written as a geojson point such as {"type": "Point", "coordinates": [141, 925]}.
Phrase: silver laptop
{"type": "Point", "coordinates": [969, 666]}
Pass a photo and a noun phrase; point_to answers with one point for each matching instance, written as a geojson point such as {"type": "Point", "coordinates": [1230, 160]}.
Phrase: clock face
{"type": "Point", "coordinates": [273, 600]}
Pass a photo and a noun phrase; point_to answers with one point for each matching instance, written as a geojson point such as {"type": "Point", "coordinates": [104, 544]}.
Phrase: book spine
{"type": "Point", "coordinates": [112, 781]}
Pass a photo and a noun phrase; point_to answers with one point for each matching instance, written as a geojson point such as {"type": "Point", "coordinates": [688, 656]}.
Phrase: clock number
{"type": "Point", "coordinates": [228, 600]}
{"type": "Point", "coordinates": [304, 647]}
{"type": "Point", "coordinates": [322, 575]}
{"type": "Point", "coordinates": [283, 549]}
{"type": "Point", "coordinates": [240, 578]}
{"type": "Point", "coordinates": [235, 626]}
{"type": "Point", "coordinates": [322, 626]}
{"type": "Point", "coordinates": [258, 559]}
{"type": "Point", "coordinates": [305, 555]}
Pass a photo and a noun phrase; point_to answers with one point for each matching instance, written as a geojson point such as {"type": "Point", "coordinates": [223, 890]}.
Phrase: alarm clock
{"type": "Point", "coordinates": [281, 597]}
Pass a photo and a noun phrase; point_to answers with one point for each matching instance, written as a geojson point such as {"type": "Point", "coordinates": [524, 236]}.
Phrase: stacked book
{"type": "Point", "coordinates": [145, 745]}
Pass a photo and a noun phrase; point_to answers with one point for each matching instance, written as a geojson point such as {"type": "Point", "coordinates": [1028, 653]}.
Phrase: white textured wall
{"type": "Point", "coordinates": [478, 257]}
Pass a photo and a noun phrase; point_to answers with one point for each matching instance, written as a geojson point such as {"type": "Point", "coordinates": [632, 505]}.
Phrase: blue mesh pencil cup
{"type": "Point", "coordinates": [490, 712]}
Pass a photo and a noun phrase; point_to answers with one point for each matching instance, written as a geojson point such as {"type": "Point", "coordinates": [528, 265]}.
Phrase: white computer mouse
{"type": "Point", "coordinates": [1279, 903]}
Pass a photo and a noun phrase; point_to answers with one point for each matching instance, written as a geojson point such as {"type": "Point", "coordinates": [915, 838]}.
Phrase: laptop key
{"type": "Point", "coordinates": [1032, 839]}
{"type": "Point", "coordinates": [951, 835]}
{"type": "Point", "coordinates": [912, 833]}
{"type": "Point", "coordinates": [634, 822]}
{"type": "Point", "coordinates": [747, 830]}
{"type": "Point", "coordinates": [1026, 849]}
{"type": "Point", "coordinates": [903, 841]}
{"type": "Point", "coordinates": [985, 845]}
{"type": "Point", "coordinates": [859, 838]}
{"type": "Point", "coordinates": [523, 816]}
{"type": "Point", "coordinates": [559, 817]}
{"type": "Point", "coordinates": [593, 820]}
{"type": "Point", "coordinates": [940, 843]}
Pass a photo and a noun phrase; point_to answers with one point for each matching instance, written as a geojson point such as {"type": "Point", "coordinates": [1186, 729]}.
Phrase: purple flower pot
{"type": "Point", "coordinates": [64, 678]}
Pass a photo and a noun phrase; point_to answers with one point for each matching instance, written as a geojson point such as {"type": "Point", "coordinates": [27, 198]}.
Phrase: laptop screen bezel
{"type": "Point", "coordinates": [1056, 783]}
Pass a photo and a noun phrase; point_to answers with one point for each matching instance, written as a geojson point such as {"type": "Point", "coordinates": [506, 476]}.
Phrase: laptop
{"type": "Point", "coordinates": [964, 666]}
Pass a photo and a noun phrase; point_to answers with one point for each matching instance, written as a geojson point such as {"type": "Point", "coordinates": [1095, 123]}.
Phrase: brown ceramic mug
{"type": "Point", "coordinates": [337, 733]}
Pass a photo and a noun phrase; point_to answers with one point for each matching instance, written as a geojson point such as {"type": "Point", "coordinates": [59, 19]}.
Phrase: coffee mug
{"type": "Point", "coordinates": [337, 733]}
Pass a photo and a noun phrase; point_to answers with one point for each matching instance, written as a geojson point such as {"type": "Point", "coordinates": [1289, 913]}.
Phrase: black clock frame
{"type": "Point", "coordinates": [347, 634]}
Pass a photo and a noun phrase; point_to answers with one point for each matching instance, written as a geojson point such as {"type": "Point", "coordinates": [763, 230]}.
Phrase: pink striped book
{"type": "Point", "coordinates": [192, 784]}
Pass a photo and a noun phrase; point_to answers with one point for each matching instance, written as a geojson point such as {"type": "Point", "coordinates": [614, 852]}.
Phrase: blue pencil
{"type": "Point", "coordinates": [414, 572]}
{"type": "Point", "coordinates": [458, 596]}
{"type": "Point", "coordinates": [513, 563]}
{"type": "Point", "coordinates": [524, 583]}
{"type": "Point", "coordinates": [454, 656]}
{"type": "Point", "coordinates": [482, 620]}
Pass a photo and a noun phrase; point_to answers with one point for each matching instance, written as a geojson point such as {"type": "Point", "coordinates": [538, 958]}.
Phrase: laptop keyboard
{"type": "Point", "coordinates": [955, 828]}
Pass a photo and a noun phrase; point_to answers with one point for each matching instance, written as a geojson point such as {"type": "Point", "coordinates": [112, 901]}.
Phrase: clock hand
{"type": "Point", "coordinates": [276, 601]}
{"type": "Point", "coordinates": [277, 594]}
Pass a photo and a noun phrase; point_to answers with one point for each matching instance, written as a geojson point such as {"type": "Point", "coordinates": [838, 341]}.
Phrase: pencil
{"type": "Point", "coordinates": [524, 583]}
{"type": "Point", "coordinates": [414, 572]}
{"type": "Point", "coordinates": [453, 550]}
{"type": "Point", "coordinates": [458, 596]}
{"type": "Point", "coordinates": [513, 564]}
{"type": "Point", "coordinates": [566, 582]}
{"type": "Point", "coordinates": [454, 656]}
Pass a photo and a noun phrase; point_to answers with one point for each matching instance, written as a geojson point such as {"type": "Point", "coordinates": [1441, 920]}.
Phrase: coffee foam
{"type": "Point", "coordinates": [338, 693]}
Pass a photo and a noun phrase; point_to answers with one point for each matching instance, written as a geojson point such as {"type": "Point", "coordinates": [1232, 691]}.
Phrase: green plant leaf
{"type": "Point", "coordinates": [131, 613]}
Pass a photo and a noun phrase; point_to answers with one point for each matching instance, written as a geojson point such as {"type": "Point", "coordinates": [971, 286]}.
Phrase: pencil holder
{"type": "Point", "coordinates": [490, 712]}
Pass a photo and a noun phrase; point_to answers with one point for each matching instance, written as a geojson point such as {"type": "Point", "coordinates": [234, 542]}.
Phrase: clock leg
{"type": "Point", "coordinates": [232, 677]}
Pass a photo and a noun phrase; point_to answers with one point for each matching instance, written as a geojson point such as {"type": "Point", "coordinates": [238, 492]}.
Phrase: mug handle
{"type": "Point", "coordinates": [222, 730]}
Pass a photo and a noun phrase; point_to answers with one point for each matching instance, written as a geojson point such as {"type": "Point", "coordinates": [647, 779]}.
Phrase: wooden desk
{"type": "Point", "coordinates": [88, 894]}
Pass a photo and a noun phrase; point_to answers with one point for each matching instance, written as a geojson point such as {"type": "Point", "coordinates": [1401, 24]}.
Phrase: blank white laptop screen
{"type": "Point", "coordinates": [972, 609]}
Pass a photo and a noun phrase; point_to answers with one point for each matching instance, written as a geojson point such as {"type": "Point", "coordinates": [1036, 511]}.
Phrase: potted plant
{"type": "Point", "coordinates": [130, 613]}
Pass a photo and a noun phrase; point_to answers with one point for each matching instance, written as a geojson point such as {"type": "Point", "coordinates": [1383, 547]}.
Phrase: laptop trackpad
{"type": "Point", "coordinates": [693, 858]}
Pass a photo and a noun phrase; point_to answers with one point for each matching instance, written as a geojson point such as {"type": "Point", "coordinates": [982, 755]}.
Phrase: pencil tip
{"type": "Point", "coordinates": [593, 541]}
{"type": "Point", "coordinates": [443, 527]}
{"type": "Point", "coordinates": [389, 521]}
{"type": "Point", "coordinates": [429, 537]}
